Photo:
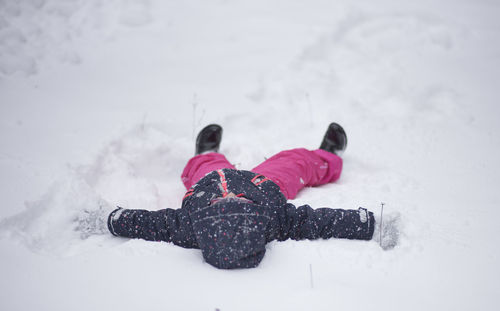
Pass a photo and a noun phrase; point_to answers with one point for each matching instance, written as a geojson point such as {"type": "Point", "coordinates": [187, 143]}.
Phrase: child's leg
{"type": "Point", "coordinates": [202, 164]}
{"type": "Point", "coordinates": [295, 169]}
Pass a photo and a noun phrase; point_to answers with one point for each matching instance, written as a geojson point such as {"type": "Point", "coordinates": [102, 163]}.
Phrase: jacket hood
{"type": "Point", "coordinates": [231, 233]}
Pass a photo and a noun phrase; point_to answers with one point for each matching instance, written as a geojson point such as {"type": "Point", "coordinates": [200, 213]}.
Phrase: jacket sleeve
{"type": "Point", "coordinates": [169, 225]}
{"type": "Point", "coordinates": [304, 222]}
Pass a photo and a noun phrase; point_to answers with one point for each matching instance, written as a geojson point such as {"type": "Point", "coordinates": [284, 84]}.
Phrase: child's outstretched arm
{"type": "Point", "coordinates": [164, 225]}
{"type": "Point", "coordinates": [303, 222]}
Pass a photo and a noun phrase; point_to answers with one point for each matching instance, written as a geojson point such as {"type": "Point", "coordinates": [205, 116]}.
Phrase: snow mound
{"type": "Point", "coordinates": [138, 170]}
{"type": "Point", "coordinates": [49, 224]}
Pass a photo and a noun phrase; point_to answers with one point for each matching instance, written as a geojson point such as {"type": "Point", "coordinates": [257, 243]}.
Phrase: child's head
{"type": "Point", "coordinates": [231, 233]}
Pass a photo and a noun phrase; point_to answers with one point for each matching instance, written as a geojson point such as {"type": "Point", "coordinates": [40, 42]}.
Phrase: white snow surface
{"type": "Point", "coordinates": [100, 101]}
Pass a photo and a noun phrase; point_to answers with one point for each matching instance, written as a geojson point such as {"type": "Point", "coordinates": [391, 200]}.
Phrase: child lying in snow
{"type": "Point", "coordinates": [231, 214]}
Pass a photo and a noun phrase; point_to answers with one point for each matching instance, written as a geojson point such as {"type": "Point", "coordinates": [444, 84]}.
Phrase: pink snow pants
{"type": "Point", "coordinates": [291, 170]}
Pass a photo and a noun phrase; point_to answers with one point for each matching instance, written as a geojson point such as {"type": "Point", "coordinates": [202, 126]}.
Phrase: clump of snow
{"type": "Point", "coordinates": [49, 224]}
{"type": "Point", "coordinates": [139, 170]}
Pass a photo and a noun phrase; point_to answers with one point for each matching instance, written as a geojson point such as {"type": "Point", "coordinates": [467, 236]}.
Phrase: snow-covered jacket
{"type": "Point", "coordinates": [233, 233]}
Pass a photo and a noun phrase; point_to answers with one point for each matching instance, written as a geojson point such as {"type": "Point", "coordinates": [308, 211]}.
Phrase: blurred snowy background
{"type": "Point", "coordinates": [101, 100]}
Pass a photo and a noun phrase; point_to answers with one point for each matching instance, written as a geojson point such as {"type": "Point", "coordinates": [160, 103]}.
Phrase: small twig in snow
{"type": "Point", "coordinates": [311, 274]}
{"type": "Point", "coordinates": [381, 215]}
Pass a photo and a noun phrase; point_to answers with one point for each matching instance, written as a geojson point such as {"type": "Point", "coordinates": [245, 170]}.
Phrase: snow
{"type": "Point", "coordinates": [100, 101]}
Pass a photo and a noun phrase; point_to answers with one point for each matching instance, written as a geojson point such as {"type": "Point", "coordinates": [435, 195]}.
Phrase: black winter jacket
{"type": "Point", "coordinates": [233, 233]}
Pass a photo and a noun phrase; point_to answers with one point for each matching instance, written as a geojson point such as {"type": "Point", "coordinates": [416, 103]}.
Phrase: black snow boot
{"type": "Point", "coordinates": [208, 139]}
{"type": "Point", "coordinates": [335, 140]}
